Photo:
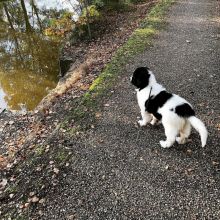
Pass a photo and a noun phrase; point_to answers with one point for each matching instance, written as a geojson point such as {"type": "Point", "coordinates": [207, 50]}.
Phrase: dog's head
{"type": "Point", "coordinates": [141, 77]}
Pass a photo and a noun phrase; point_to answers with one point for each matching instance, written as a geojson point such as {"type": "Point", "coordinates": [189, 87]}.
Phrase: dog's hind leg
{"type": "Point", "coordinates": [171, 132]}
{"type": "Point", "coordinates": [184, 133]}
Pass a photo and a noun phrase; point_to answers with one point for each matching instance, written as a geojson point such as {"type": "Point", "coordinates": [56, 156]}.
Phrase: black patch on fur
{"type": "Point", "coordinates": [184, 110]}
{"type": "Point", "coordinates": [155, 102]}
{"type": "Point", "coordinates": [140, 77]}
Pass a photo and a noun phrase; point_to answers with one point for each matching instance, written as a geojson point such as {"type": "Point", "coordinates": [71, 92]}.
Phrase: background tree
{"type": "Point", "coordinates": [8, 16]}
{"type": "Point", "coordinates": [28, 26]}
{"type": "Point", "coordinates": [36, 11]}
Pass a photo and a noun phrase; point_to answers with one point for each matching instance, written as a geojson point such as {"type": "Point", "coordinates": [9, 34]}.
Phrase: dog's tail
{"type": "Point", "coordinates": [200, 127]}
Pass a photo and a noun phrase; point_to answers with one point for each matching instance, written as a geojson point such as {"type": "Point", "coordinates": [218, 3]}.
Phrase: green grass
{"type": "Point", "coordinates": [136, 44]}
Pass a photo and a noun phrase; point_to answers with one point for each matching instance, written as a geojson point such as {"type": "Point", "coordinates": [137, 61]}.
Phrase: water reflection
{"type": "Point", "coordinates": [29, 64]}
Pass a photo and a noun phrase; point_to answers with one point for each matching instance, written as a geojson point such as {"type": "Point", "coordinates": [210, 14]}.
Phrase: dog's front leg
{"type": "Point", "coordinates": [146, 118]}
{"type": "Point", "coordinates": [154, 120]}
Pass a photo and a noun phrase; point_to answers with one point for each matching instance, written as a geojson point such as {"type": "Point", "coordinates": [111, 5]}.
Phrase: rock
{"type": "Point", "coordinates": [11, 195]}
{"type": "Point", "coordinates": [166, 167]}
{"type": "Point", "coordinates": [41, 201]}
{"type": "Point", "coordinates": [55, 170]}
{"type": "Point", "coordinates": [32, 193]}
{"type": "Point", "coordinates": [3, 183]}
{"type": "Point", "coordinates": [21, 206]}
{"type": "Point", "coordinates": [26, 204]}
{"type": "Point", "coordinates": [38, 169]}
{"type": "Point", "coordinates": [11, 122]}
{"type": "Point", "coordinates": [70, 217]}
{"type": "Point", "coordinates": [35, 199]}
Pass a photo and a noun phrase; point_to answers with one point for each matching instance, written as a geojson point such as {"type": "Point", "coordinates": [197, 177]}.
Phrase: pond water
{"type": "Point", "coordinates": [29, 58]}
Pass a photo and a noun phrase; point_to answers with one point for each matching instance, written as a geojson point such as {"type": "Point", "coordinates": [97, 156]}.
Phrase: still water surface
{"type": "Point", "coordinates": [29, 60]}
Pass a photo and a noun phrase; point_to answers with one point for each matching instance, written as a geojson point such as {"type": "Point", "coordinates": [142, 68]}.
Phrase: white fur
{"type": "Point", "coordinates": [173, 124]}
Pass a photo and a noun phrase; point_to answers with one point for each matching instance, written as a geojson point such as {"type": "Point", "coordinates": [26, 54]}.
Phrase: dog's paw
{"type": "Point", "coordinates": [180, 140]}
{"type": "Point", "coordinates": [142, 123]}
{"type": "Point", "coordinates": [153, 122]}
{"type": "Point", "coordinates": [164, 144]}
{"type": "Point", "coordinates": [159, 122]}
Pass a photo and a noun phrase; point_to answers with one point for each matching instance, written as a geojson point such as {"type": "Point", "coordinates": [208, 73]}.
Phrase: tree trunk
{"type": "Point", "coordinates": [8, 16]}
{"type": "Point", "coordinates": [35, 9]}
{"type": "Point", "coordinates": [27, 23]}
{"type": "Point", "coordinates": [88, 20]}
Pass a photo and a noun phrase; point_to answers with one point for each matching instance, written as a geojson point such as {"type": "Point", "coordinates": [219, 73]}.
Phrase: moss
{"type": "Point", "coordinates": [74, 130]}
{"type": "Point", "coordinates": [11, 189]}
{"type": "Point", "coordinates": [21, 217]}
{"type": "Point", "coordinates": [39, 150]}
{"type": "Point", "coordinates": [61, 156]}
{"type": "Point", "coordinates": [12, 214]}
{"type": "Point", "coordinates": [137, 43]}
{"type": "Point", "coordinates": [33, 160]}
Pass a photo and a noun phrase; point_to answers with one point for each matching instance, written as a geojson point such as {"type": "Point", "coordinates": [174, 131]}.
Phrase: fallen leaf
{"type": "Point", "coordinates": [98, 114]}
{"type": "Point", "coordinates": [2, 159]}
{"type": "Point", "coordinates": [189, 151]}
{"type": "Point", "coordinates": [215, 163]}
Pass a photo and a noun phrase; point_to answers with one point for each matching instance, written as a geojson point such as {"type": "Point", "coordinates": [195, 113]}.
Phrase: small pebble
{"type": "Point", "coordinates": [35, 199]}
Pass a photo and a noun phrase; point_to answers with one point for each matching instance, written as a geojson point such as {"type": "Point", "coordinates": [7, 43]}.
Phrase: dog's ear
{"type": "Point", "coordinates": [141, 77]}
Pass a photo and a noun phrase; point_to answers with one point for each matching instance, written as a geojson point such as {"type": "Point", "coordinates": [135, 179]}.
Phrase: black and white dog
{"type": "Point", "coordinates": [175, 113]}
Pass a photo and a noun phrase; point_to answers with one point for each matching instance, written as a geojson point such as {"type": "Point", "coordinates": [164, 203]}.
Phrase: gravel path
{"type": "Point", "coordinates": [118, 170]}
